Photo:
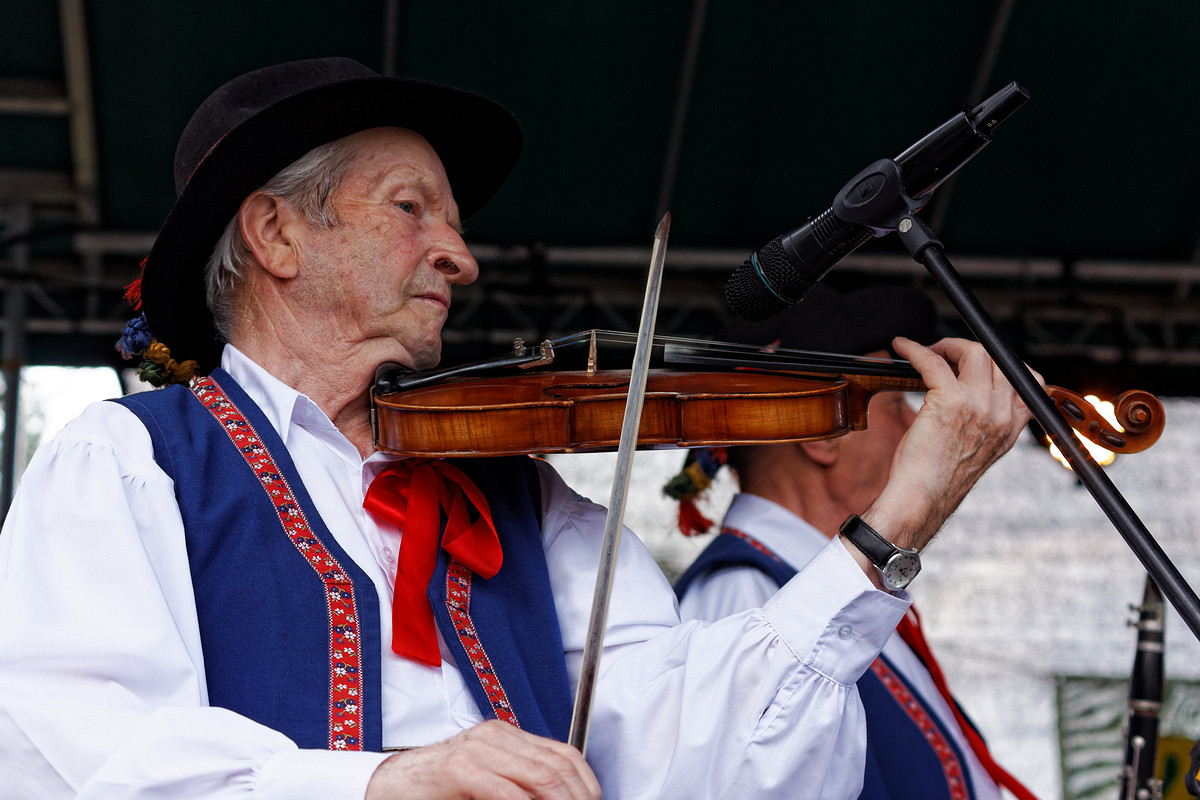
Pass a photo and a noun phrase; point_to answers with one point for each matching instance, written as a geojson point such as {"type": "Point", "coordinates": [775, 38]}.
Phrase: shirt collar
{"type": "Point", "coordinates": [284, 407]}
{"type": "Point", "coordinates": [783, 532]}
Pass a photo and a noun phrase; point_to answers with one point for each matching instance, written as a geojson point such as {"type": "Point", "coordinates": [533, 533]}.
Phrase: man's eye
{"type": "Point", "coordinates": [406, 207]}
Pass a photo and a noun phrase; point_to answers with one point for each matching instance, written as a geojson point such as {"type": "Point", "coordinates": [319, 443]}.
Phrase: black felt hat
{"type": "Point", "coordinates": [259, 123]}
{"type": "Point", "coordinates": [861, 321]}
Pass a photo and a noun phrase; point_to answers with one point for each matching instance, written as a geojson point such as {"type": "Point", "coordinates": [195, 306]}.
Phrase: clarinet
{"type": "Point", "coordinates": [1145, 700]}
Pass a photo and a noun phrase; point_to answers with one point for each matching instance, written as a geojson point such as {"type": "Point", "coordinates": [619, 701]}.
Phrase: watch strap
{"type": "Point", "coordinates": [868, 540]}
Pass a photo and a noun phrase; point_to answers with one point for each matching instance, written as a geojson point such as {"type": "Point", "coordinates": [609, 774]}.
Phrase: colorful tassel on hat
{"type": "Point", "coordinates": [699, 468]}
{"type": "Point", "coordinates": [135, 338]}
{"type": "Point", "coordinates": [157, 367]}
{"type": "Point", "coordinates": [133, 292]}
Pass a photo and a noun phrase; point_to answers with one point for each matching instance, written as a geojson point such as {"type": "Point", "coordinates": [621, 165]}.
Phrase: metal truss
{"type": "Point", "coordinates": [1088, 315]}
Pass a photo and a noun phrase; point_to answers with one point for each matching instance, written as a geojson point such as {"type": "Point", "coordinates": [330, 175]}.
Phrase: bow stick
{"type": "Point", "coordinates": [581, 716]}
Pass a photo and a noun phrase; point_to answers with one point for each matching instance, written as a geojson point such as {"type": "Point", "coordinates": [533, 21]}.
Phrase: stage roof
{"type": "Point", "coordinates": [1077, 227]}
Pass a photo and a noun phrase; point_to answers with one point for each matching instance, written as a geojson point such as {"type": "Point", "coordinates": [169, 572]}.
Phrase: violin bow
{"type": "Point", "coordinates": [597, 620]}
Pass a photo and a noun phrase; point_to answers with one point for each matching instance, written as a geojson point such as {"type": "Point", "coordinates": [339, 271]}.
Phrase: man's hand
{"type": "Point", "coordinates": [491, 760]}
{"type": "Point", "coordinates": [970, 418]}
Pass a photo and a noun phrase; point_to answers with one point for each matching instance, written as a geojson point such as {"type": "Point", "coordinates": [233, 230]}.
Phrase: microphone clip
{"type": "Point", "coordinates": [875, 198]}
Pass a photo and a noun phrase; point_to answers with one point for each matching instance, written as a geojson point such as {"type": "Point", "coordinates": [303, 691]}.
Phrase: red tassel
{"type": "Point", "coordinates": [691, 521]}
{"type": "Point", "coordinates": [133, 292]}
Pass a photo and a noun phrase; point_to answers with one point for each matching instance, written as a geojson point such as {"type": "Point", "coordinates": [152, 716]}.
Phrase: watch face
{"type": "Point", "coordinates": [900, 570]}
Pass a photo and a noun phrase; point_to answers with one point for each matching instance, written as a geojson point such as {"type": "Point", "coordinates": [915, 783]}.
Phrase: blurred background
{"type": "Point", "coordinates": [1078, 228]}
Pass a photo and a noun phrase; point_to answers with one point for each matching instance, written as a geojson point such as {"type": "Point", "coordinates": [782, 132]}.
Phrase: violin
{"type": "Point", "coordinates": [743, 396]}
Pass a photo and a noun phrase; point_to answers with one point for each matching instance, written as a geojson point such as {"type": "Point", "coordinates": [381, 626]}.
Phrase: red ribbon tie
{"type": "Point", "coordinates": [412, 494]}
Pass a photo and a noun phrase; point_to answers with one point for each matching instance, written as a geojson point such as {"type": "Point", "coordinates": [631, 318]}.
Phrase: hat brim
{"type": "Point", "coordinates": [477, 140]}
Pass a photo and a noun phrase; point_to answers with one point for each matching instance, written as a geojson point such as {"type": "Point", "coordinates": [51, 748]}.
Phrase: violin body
{"type": "Point", "coordinates": [725, 395]}
{"type": "Point", "coordinates": [570, 412]}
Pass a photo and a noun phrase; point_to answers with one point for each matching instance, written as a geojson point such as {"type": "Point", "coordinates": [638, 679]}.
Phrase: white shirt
{"type": "Point", "coordinates": [733, 589]}
{"type": "Point", "coordinates": [102, 687]}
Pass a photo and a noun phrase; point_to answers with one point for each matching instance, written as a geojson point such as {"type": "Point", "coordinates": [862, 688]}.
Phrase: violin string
{"type": "Point", "coordinates": [703, 351]}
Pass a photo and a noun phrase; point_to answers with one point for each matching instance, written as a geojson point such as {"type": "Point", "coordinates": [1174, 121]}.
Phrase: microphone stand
{"type": "Point", "coordinates": [881, 204]}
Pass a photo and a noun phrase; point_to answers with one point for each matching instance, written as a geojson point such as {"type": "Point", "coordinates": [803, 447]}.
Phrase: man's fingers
{"type": "Point", "coordinates": [491, 761]}
{"type": "Point", "coordinates": [969, 361]}
{"type": "Point", "coordinates": [547, 768]}
{"type": "Point", "coordinates": [970, 417]}
{"type": "Point", "coordinates": [540, 767]}
{"type": "Point", "coordinates": [934, 367]}
{"type": "Point", "coordinates": [963, 362]}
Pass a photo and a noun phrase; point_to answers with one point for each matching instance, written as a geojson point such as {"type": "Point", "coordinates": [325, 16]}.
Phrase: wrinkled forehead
{"type": "Point", "coordinates": [379, 149]}
{"type": "Point", "coordinates": [383, 155]}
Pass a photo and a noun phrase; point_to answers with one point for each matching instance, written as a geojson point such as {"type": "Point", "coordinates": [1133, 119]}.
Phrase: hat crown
{"type": "Point", "coordinates": [247, 95]}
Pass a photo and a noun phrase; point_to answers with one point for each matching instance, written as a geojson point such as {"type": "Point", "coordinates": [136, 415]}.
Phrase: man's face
{"type": "Point", "coordinates": [383, 276]}
{"type": "Point", "coordinates": [867, 455]}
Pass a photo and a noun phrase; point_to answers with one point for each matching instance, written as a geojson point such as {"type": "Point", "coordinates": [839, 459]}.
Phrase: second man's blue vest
{"type": "Point", "coordinates": [902, 763]}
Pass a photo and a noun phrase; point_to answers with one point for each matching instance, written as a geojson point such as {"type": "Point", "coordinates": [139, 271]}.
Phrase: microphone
{"type": "Point", "coordinates": [779, 273]}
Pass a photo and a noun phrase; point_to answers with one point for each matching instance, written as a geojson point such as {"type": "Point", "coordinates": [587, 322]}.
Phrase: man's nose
{"type": "Point", "coordinates": [453, 259]}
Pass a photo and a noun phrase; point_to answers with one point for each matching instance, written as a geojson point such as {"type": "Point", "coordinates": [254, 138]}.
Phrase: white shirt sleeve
{"type": "Point", "coordinates": [102, 690]}
{"type": "Point", "coordinates": [758, 705]}
{"type": "Point", "coordinates": [725, 591]}
{"type": "Point", "coordinates": [102, 686]}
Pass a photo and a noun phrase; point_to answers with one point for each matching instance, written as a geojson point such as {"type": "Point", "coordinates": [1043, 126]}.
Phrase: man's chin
{"type": "Point", "coordinates": [426, 357]}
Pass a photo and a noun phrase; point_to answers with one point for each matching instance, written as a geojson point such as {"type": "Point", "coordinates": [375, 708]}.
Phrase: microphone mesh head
{"type": "Point", "coordinates": [748, 295]}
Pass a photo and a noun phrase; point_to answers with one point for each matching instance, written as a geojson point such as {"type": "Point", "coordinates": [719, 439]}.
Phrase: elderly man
{"type": "Point", "coordinates": [197, 604]}
{"type": "Point", "coordinates": [794, 497]}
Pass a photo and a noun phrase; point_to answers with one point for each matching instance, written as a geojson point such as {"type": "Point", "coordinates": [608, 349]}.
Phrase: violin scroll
{"type": "Point", "coordinates": [1139, 413]}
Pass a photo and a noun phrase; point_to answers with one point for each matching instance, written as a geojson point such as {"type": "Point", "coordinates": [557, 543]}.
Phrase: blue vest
{"type": "Point", "coordinates": [289, 625]}
{"type": "Point", "coordinates": [902, 763]}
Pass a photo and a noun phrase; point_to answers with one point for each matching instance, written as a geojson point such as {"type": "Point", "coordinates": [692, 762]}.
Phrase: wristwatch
{"type": "Point", "coordinates": [896, 565]}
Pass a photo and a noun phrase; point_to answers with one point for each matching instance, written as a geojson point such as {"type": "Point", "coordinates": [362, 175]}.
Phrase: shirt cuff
{"type": "Point", "coordinates": [317, 774]}
{"type": "Point", "coordinates": [833, 617]}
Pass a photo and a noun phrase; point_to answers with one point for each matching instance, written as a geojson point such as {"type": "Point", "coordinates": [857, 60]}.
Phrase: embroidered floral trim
{"type": "Point", "coordinates": [750, 540]}
{"type": "Point", "coordinates": [920, 717]}
{"type": "Point", "coordinates": [458, 601]}
{"type": "Point", "coordinates": [345, 656]}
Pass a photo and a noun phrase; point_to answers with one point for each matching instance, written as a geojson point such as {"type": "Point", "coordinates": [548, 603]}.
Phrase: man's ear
{"type": "Point", "coordinates": [823, 453]}
{"type": "Point", "coordinates": [268, 226]}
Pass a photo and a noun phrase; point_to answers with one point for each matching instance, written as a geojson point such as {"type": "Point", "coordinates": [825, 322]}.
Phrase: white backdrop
{"type": "Point", "coordinates": [1028, 580]}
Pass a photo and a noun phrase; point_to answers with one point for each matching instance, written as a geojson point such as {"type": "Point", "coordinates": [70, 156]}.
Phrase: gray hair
{"type": "Point", "coordinates": [307, 183]}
